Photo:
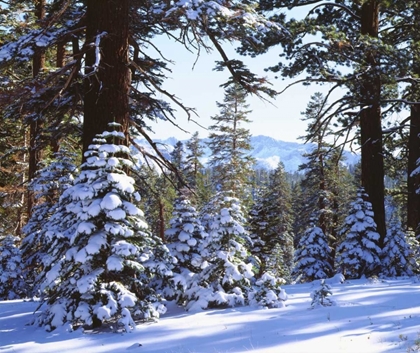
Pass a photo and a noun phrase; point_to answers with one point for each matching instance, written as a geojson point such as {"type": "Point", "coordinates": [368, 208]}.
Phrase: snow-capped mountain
{"type": "Point", "coordinates": [267, 151]}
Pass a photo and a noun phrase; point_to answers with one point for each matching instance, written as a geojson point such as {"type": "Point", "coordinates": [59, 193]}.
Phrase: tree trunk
{"type": "Point", "coordinates": [161, 220]}
{"type": "Point", "coordinates": [108, 82]}
{"type": "Point", "coordinates": [38, 63]}
{"type": "Point", "coordinates": [413, 182]}
{"type": "Point", "coordinates": [370, 123]}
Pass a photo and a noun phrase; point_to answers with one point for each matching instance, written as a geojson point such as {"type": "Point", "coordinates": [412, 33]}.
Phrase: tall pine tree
{"type": "Point", "coordinates": [230, 145]}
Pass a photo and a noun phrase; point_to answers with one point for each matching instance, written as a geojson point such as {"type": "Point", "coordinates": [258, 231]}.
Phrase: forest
{"type": "Point", "coordinates": [105, 229]}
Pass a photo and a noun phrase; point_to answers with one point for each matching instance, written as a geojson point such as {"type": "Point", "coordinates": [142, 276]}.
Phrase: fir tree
{"type": "Point", "coordinates": [194, 171]}
{"type": "Point", "coordinates": [12, 283]}
{"type": "Point", "coordinates": [267, 292]}
{"type": "Point", "coordinates": [225, 278]}
{"type": "Point", "coordinates": [325, 182]}
{"type": "Point", "coordinates": [270, 226]}
{"type": "Point", "coordinates": [359, 253]}
{"type": "Point", "coordinates": [230, 145]}
{"type": "Point", "coordinates": [50, 182]}
{"type": "Point", "coordinates": [312, 256]}
{"type": "Point", "coordinates": [321, 295]}
{"type": "Point", "coordinates": [398, 256]}
{"type": "Point", "coordinates": [184, 237]}
{"type": "Point", "coordinates": [158, 194]}
{"type": "Point", "coordinates": [113, 269]}
{"type": "Point", "coordinates": [177, 157]}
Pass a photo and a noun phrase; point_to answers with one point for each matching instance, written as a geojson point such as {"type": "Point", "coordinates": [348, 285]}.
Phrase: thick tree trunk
{"type": "Point", "coordinates": [413, 182]}
{"type": "Point", "coordinates": [109, 77]}
{"type": "Point", "coordinates": [38, 63]}
{"type": "Point", "coordinates": [370, 123]}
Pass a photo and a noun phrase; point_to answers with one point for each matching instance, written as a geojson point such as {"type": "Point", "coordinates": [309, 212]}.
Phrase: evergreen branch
{"type": "Point", "coordinates": [172, 97]}
{"type": "Point", "coordinates": [344, 7]}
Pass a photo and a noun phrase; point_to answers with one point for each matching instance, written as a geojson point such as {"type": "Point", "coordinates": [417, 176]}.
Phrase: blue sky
{"type": "Point", "coordinates": [198, 87]}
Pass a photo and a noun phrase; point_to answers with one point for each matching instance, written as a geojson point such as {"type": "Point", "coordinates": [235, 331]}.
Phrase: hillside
{"type": "Point", "coordinates": [369, 316]}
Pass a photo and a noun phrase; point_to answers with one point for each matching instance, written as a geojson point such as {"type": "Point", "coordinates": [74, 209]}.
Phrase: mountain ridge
{"type": "Point", "coordinates": [266, 150]}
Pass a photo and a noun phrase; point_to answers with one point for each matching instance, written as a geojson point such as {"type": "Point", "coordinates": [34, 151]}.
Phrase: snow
{"type": "Point", "coordinates": [114, 263]}
{"type": "Point", "coordinates": [382, 316]}
{"type": "Point", "coordinates": [111, 201]}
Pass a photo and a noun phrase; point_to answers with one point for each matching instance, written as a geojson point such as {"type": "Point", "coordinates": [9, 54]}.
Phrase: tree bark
{"type": "Point", "coordinates": [35, 126]}
{"type": "Point", "coordinates": [413, 182]}
{"type": "Point", "coordinates": [107, 84]}
{"type": "Point", "coordinates": [370, 122]}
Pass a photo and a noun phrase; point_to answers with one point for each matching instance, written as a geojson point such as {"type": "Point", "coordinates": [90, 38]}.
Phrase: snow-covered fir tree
{"type": "Point", "coordinates": [359, 253]}
{"type": "Point", "coordinates": [312, 256]}
{"type": "Point", "coordinates": [113, 268]}
{"type": "Point", "coordinates": [225, 277]}
{"type": "Point", "coordinates": [398, 257]}
{"type": "Point", "coordinates": [325, 185]}
{"type": "Point", "coordinates": [322, 295]}
{"type": "Point", "coordinates": [267, 292]}
{"type": "Point", "coordinates": [184, 237]}
{"type": "Point", "coordinates": [50, 182]}
{"type": "Point", "coordinates": [12, 283]}
{"type": "Point", "coordinates": [270, 226]}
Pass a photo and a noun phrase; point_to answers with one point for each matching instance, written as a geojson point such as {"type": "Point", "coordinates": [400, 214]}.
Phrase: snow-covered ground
{"type": "Point", "coordinates": [369, 316]}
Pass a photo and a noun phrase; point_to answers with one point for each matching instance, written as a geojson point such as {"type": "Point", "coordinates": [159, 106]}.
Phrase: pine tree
{"type": "Point", "coordinates": [267, 292]}
{"type": "Point", "coordinates": [194, 171]}
{"type": "Point", "coordinates": [359, 253]}
{"type": "Point", "coordinates": [325, 183]}
{"type": "Point", "coordinates": [225, 277]}
{"type": "Point", "coordinates": [49, 183]}
{"type": "Point", "coordinates": [107, 75]}
{"type": "Point", "coordinates": [312, 256]}
{"type": "Point", "coordinates": [177, 158]}
{"type": "Point", "coordinates": [230, 144]}
{"type": "Point", "coordinates": [12, 175]}
{"type": "Point", "coordinates": [270, 226]}
{"type": "Point", "coordinates": [398, 257]}
{"type": "Point", "coordinates": [113, 269]}
{"type": "Point", "coordinates": [184, 237]}
{"type": "Point", "coordinates": [12, 282]}
{"type": "Point", "coordinates": [365, 39]}
{"type": "Point", "coordinates": [158, 194]}
{"type": "Point", "coordinates": [321, 295]}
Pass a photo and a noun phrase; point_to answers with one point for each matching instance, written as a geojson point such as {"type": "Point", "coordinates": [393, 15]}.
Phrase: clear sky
{"type": "Point", "coordinates": [198, 87]}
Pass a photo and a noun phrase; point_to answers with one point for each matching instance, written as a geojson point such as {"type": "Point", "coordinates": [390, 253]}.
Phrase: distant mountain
{"type": "Point", "coordinates": [267, 151]}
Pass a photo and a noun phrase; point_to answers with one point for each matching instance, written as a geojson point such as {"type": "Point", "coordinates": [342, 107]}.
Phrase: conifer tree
{"type": "Point", "coordinates": [321, 295]}
{"type": "Point", "coordinates": [12, 282]}
{"type": "Point", "coordinates": [12, 175]}
{"type": "Point", "coordinates": [194, 171]}
{"type": "Point", "coordinates": [225, 277]}
{"type": "Point", "coordinates": [270, 226]}
{"type": "Point", "coordinates": [230, 144]}
{"type": "Point", "coordinates": [108, 75]}
{"type": "Point", "coordinates": [325, 185]}
{"type": "Point", "coordinates": [113, 269]}
{"type": "Point", "coordinates": [359, 253]}
{"type": "Point", "coordinates": [158, 194]}
{"type": "Point", "coordinates": [177, 158]}
{"type": "Point", "coordinates": [312, 256]}
{"type": "Point", "coordinates": [358, 35]}
{"type": "Point", "coordinates": [399, 255]}
{"type": "Point", "coordinates": [184, 237]}
{"type": "Point", "coordinates": [49, 183]}
{"type": "Point", "coordinates": [315, 183]}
